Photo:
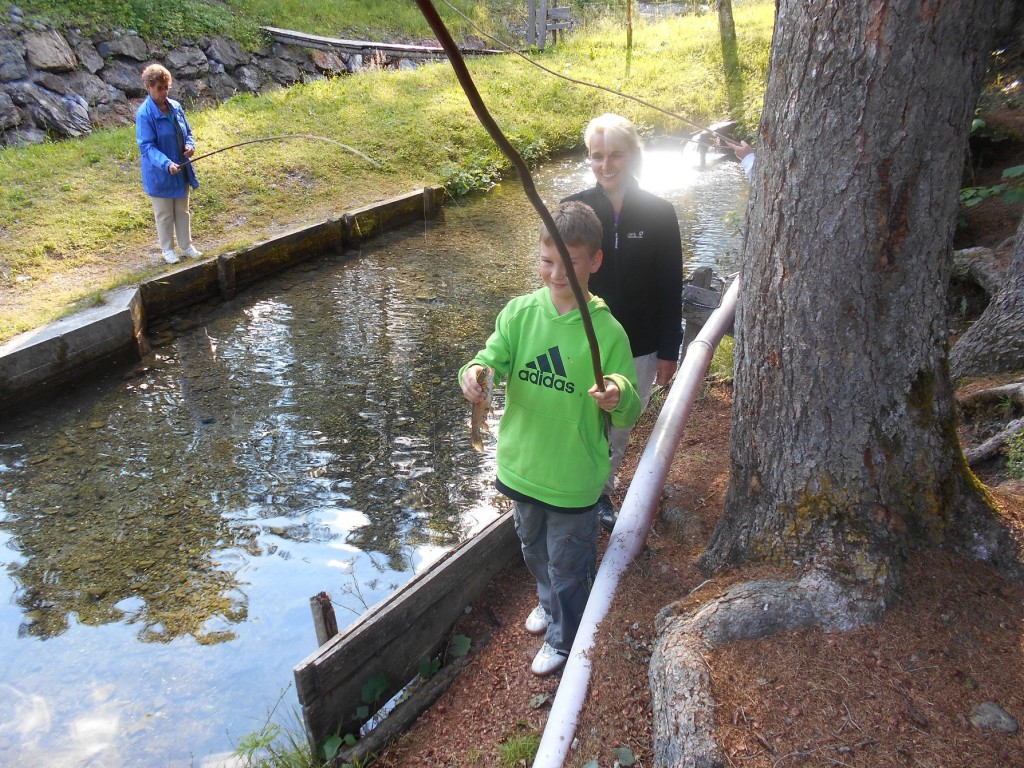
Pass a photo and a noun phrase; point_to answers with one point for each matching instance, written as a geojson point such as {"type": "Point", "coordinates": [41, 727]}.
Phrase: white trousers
{"type": "Point", "coordinates": [172, 219]}
{"type": "Point", "coordinates": [618, 439]}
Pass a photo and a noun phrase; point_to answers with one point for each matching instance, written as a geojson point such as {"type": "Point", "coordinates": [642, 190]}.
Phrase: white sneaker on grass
{"type": "Point", "coordinates": [547, 660]}
{"type": "Point", "coordinates": [192, 252]}
{"type": "Point", "coordinates": [538, 620]}
{"type": "Point", "coordinates": [171, 257]}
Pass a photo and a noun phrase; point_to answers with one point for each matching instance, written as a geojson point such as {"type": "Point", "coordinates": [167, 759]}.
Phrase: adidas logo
{"type": "Point", "coordinates": [547, 371]}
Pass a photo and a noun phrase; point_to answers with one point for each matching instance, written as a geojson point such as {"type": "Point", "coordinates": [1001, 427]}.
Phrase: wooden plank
{"type": "Point", "coordinates": [324, 621]}
{"type": "Point", "coordinates": [401, 718]}
{"type": "Point", "coordinates": [542, 15]}
{"type": "Point", "coordinates": [392, 637]}
{"type": "Point", "coordinates": [559, 14]}
{"type": "Point", "coordinates": [377, 218]}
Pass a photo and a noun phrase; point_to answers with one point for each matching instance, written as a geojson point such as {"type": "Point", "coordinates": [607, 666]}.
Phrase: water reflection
{"type": "Point", "coordinates": [162, 531]}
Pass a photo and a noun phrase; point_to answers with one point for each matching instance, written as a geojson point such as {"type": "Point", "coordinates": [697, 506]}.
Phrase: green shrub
{"type": "Point", "coordinates": [723, 363]}
{"type": "Point", "coordinates": [518, 748]}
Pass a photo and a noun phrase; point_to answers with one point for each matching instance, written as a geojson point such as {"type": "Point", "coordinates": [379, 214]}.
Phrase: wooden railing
{"type": "Point", "coordinates": [540, 21]}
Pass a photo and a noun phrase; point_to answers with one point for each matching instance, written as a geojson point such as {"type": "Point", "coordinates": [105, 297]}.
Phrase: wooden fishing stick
{"type": "Point", "coordinates": [469, 87]}
{"type": "Point", "coordinates": [278, 138]}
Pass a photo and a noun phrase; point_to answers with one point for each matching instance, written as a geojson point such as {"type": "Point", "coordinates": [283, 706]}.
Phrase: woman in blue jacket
{"type": "Point", "coordinates": [165, 142]}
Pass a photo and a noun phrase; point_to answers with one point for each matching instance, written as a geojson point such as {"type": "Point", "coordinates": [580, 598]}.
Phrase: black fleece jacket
{"type": "Point", "coordinates": [641, 278]}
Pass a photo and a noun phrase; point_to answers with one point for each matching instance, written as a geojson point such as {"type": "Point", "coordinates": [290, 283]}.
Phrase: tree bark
{"type": "Point", "coordinates": [730, 58]}
{"type": "Point", "coordinates": [844, 446]}
{"type": "Point", "coordinates": [995, 343]}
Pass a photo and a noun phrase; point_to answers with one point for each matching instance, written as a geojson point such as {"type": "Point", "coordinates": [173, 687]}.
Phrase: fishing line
{"type": "Point", "coordinates": [586, 84]}
{"type": "Point", "coordinates": [374, 163]}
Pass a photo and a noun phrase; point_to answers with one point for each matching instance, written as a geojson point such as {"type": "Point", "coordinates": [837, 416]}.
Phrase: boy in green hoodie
{"type": "Point", "coordinates": [552, 439]}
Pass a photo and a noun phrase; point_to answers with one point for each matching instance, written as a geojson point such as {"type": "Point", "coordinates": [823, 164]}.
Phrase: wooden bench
{"type": "Point", "coordinates": [544, 20]}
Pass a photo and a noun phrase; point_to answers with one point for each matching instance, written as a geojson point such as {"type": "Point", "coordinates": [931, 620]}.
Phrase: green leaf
{"type": "Point", "coordinates": [538, 700]}
{"type": "Point", "coordinates": [971, 196]}
{"type": "Point", "coordinates": [1013, 172]}
{"type": "Point", "coordinates": [977, 124]}
{"type": "Point", "coordinates": [350, 740]}
{"type": "Point", "coordinates": [459, 646]}
{"type": "Point", "coordinates": [625, 756]}
{"type": "Point", "coordinates": [331, 747]}
{"type": "Point", "coordinates": [591, 764]}
{"type": "Point", "coordinates": [429, 666]}
{"type": "Point", "coordinates": [374, 688]}
{"type": "Point", "coordinates": [362, 712]}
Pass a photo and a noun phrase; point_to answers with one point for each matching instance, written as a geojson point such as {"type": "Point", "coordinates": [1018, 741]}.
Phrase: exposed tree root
{"type": "Point", "coordinates": [981, 266]}
{"type": "Point", "coordinates": [1007, 392]}
{"type": "Point", "coordinates": [679, 677]}
{"type": "Point", "coordinates": [991, 447]}
{"type": "Point", "coordinates": [995, 342]}
{"type": "Point", "coordinates": [1002, 396]}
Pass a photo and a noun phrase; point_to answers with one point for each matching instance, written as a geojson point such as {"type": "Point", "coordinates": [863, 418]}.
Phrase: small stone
{"type": "Point", "coordinates": [991, 716]}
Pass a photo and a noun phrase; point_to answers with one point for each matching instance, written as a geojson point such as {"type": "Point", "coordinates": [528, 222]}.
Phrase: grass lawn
{"type": "Point", "coordinates": [75, 222]}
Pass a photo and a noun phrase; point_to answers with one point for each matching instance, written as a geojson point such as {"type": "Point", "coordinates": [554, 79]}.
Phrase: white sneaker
{"type": "Point", "coordinates": [191, 252]}
{"type": "Point", "coordinates": [171, 257]}
{"type": "Point", "coordinates": [546, 661]}
{"type": "Point", "coordinates": [538, 620]}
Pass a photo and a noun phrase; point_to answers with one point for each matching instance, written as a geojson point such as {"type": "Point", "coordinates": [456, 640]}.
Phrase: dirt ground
{"type": "Point", "coordinates": [900, 693]}
{"type": "Point", "coordinates": [897, 694]}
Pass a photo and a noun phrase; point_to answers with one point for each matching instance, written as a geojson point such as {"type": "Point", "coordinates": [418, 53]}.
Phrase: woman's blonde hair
{"type": "Point", "coordinates": [156, 74]}
{"type": "Point", "coordinates": [617, 127]}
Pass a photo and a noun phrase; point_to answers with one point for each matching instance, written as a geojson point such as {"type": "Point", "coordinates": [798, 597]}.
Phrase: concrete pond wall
{"type": "Point", "coordinates": [38, 363]}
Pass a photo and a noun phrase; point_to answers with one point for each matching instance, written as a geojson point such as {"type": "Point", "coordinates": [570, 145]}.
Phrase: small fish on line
{"type": "Point", "coordinates": [478, 425]}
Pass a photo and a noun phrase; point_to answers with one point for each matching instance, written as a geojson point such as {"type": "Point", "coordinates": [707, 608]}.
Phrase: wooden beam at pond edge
{"type": "Point", "coordinates": [392, 637]}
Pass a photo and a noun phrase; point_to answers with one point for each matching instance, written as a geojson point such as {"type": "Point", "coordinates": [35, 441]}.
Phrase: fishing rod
{"type": "Point", "coordinates": [732, 142]}
{"type": "Point", "coordinates": [278, 138]}
{"type": "Point", "coordinates": [469, 87]}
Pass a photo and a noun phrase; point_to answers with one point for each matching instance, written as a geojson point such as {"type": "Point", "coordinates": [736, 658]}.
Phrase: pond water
{"type": "Point", "coordinates": [162, 529]}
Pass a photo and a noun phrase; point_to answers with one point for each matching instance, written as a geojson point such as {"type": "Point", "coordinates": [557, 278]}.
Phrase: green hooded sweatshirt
{"type": "Point", "coordinates": [552, 443]}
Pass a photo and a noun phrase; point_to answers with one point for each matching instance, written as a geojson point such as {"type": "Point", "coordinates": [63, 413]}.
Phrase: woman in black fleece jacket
{"type": "Point", "coordinates": [641, 278]}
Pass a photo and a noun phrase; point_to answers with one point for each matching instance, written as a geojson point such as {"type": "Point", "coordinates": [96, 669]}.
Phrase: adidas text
{"type": "Point", "coordinates": [548, 380]}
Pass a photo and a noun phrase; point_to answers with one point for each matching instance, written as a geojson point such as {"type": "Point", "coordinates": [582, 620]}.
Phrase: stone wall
{"type": "Point", "coordinates": [62, 83]}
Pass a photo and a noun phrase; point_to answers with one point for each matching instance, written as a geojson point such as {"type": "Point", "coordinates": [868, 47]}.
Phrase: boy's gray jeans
{"type": "Point", "coordinates": [561, 552]}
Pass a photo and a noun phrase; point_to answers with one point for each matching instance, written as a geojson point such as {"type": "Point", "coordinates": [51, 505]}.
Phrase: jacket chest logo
{"type": "Point", "coordinates": [547, 371]}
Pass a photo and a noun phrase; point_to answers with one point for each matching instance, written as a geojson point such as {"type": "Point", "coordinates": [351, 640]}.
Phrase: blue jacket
{"type": "Point", "coordinates": [159, 147]}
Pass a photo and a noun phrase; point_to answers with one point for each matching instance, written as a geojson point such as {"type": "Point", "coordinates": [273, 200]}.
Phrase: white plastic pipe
{"type": "Point", "coordinates": [630, 533]}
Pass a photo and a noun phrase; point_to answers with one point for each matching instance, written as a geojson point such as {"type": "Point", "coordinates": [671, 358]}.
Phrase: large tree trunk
{"type": "Point", "coordinates": [995, 343]}
{"type": "Point", "coordinates": [730, 58]}
{"type": "Point", "coordinates": [844, 445]}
